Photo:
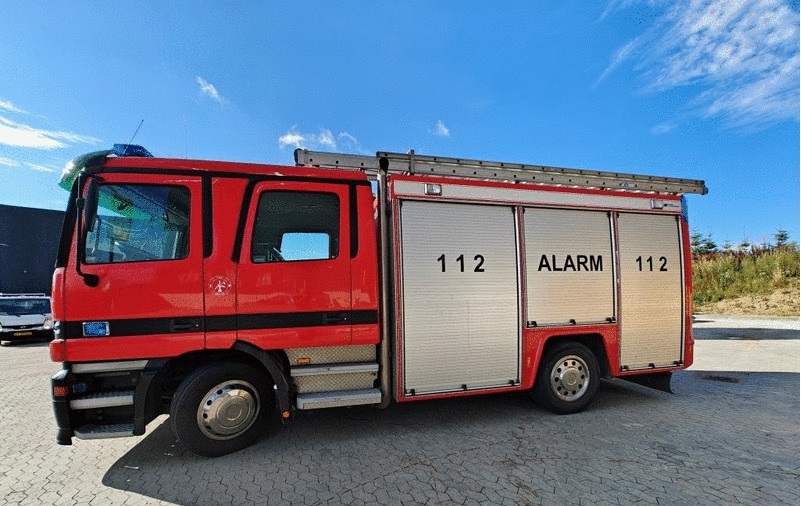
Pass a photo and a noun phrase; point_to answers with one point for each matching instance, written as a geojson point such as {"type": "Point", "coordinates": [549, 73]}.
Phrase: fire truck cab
{"type": "Point", "coordinates": [224, 294]}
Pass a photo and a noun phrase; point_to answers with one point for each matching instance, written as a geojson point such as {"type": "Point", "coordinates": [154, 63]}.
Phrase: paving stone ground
{"type": "Point", "coordinates": [723, 438]}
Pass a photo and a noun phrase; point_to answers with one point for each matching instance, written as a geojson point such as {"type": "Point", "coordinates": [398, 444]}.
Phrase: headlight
{"type": "Point", "coordinates": [48, 323]}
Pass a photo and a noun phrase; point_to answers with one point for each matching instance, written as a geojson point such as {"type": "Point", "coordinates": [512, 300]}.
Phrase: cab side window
{"type": "Point", "coordinates": [292, 226]}
{"type": "Point", "coordinates": [137, 223]}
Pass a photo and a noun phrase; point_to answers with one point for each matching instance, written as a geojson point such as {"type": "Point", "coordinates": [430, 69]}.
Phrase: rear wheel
{"type": "Point", "coordinates": [222, 408]}
{"type": "Point", "coordinates": [568, 378]}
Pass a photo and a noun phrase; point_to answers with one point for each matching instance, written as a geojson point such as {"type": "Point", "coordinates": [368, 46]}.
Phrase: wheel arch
{"type": "Point", "coordinates": [593, 341]}
{"type": "Point", "coordinates": [175, 370]}
{"type": "Point", "coordinates": [569, 372]}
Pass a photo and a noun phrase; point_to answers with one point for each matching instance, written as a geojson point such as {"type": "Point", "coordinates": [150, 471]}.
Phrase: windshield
{"type": "Point", "coordinates": [19, 307]}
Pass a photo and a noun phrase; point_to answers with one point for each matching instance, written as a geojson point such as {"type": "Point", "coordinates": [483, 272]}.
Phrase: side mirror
{"type": "Point", "coordinates": [90, 205]}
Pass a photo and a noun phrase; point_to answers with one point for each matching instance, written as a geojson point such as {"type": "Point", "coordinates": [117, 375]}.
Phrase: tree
{"type": "Point", "coordinates": [744, 245]}
{"type": "Point", "coordinates": [782, 239]}
{"type": "Point", "coordinates": [695, 243]}
{"type": "Point", "coordinates": [708, 245]}
{"type": "Point", "coordinates": [700, 245]}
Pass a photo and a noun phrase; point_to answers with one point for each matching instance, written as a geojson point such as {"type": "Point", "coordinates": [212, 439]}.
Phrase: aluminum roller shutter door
{"type": "Point", "coordinates": [461, 327]}
{"type": "Point", "coordinates": [569, 265]}
{"type": "Point", "coordinates": [652, 291]}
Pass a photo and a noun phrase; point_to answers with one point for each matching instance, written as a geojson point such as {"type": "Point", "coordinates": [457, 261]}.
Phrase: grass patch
{"type": "Point", "coordinates": [721, 276]}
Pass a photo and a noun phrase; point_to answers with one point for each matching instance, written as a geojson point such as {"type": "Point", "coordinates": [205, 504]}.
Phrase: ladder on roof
{"type": "Point", "coordinates": [412, 163]}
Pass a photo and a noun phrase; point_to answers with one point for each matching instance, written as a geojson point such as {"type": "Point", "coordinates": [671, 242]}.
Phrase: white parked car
{"type": "Point", "coordinates": [24, 317]}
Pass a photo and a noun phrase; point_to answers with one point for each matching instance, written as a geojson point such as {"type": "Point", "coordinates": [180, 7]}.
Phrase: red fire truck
{"type": "Point", "coordinates": [224, 294]}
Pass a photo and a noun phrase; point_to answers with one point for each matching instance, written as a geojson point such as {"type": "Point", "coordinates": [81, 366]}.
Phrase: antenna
{"type": "Point", "coordinates": [136, 131]}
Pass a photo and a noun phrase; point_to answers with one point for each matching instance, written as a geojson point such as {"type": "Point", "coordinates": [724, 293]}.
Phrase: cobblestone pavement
{"type": "Point", "coordinates": [723, 438]}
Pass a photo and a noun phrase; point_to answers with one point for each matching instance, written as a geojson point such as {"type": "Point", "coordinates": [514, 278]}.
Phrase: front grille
{"type": "Point", "coordinates": [22, 327]}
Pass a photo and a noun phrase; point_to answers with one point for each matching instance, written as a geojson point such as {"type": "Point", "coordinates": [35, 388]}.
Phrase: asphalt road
{"type": "Point", "coordinates": [726, 436]}
{"type": "Point", "coordinates": [750, 328]}
{"type": "Point", "coordinates": [754, 344]}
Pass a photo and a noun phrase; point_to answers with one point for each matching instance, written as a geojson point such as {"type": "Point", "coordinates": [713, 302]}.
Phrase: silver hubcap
{"type": "Point", "coordinates": [228, 410]}
{"type": "Point", "coordinates": [570, 378]}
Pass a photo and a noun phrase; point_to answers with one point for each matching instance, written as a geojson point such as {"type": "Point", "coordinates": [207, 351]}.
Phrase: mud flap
{"type": "Point", "coordinates": [277, 373]}
{"type": "Point", "coordinates": [658, 381]}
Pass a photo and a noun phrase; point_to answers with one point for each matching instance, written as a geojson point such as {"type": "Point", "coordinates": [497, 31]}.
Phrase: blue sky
{"type": "Point", "coordinates": [699, 89]}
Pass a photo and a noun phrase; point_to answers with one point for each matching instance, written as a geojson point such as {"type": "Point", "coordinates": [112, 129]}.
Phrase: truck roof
{"type": "Point", "coordinates": [232, 168]}
{"type": "Point", "coordinates": [124, 157]}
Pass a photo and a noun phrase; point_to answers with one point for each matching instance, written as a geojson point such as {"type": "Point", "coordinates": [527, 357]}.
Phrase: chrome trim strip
{"type": "Point", "coordinates": [95, 367]}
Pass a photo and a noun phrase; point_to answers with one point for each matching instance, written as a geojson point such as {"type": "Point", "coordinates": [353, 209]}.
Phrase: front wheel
{"type": "Point", "coordinates": [222, 408]}
{"type": "Point", "coordinates": [568, 378]}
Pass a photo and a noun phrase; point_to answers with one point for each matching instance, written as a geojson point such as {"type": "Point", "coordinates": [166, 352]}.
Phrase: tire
{"type": "Point", "coordinates": [222, 408]}
{"type": "Point", "coordinates": [568, 378]}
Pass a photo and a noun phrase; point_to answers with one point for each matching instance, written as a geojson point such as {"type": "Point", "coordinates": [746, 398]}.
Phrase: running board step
{"type": "Point", "coordinates": [103, 400]}
{"type": "Point", "coordinates": [92, 431]}
{"type": "Point", "coordinates": [336, 399]}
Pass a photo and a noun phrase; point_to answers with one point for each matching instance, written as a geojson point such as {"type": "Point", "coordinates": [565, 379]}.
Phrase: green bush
{"type": "Point", "coordinates": [729, 275]}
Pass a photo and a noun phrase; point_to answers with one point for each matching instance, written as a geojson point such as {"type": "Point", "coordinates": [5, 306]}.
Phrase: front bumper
{"type": "Point", "coordinates": [105, 399]}
{"type": "Point", "coordinates": [12, 335]}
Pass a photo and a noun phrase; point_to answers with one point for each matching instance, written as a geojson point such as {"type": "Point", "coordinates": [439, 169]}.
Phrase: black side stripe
{"type": "Point", "coordinates": [220, 323]}
{"type": "Point", "coordinates": [151, 326]}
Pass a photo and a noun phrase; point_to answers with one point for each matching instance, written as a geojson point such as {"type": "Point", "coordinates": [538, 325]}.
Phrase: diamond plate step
{"type": "Point", "coordinates": [336, 399]}
{"type": "Point", "coordinates": [92, 431]}
{"type": "Point", "coordinates": [103, 400]}
{"type": "Point", "coordinates": [310, 379]}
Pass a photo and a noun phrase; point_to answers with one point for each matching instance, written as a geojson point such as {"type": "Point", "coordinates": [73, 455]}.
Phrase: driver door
{"type": "Point", "coordinates": [145, 248]}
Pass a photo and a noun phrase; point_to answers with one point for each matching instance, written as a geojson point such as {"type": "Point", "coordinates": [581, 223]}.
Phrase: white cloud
{"type": "Point", "coordinates": [294, 139]}
{"type": "Point", "coordinates": [325, 140]}
{"type": "Point", "coordinates": [25, 140]}
{"type": "Point", "coordinates": [8, 162]}
{"type": "Point", "coordinates": [621, 55]}
{"type": "Point", "coordinates": [442, 130]}
{"type": "Point", "coordinates": [744, 55]}
{"type": "Point", "coordinates": [8, 106]}
{"type": "Point", "coordinates": [40, 168]}
{"type": "Point", "coordinates": [663, 128]}
{"type": "Point", "coordinates": [25, 136]}
{"type": "Point", "coordinates": [617, 5]}
{"type": "Point", "coordinates": [349, 144]}
{"type": "Point", "coordinates": [208, 89]}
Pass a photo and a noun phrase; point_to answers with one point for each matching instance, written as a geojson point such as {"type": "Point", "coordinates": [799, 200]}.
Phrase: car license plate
{"type": "Point", "coordinates": [22, 334]}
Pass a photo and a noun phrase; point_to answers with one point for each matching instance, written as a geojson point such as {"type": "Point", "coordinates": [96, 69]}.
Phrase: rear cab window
{"type": "Point", "coordinates": [296, 226]}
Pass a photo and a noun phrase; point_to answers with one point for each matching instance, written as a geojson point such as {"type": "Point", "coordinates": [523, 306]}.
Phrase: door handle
{"type": "Point", "coordinates": [184, 324]}
{"type": "Point", "coordinates": [335, 318]}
